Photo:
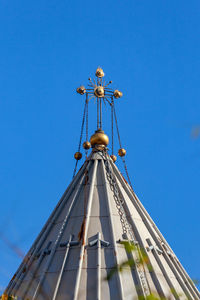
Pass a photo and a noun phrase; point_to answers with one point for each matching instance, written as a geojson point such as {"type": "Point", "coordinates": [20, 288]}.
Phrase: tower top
{"type": "Point", "coordinates": [99, 89]}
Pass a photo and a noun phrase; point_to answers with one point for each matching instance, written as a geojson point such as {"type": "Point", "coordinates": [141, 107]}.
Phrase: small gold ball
{"type": "Point", "coordinates": [114, 157]}
{"type": "Point", "coordinates": [81, 90]}
{"type": "Point", "coordinates": [99, 73]}
{"type": "Point", "coordinates": [117, 94]}
{"type": "Point", "coordinates": [99, 138]}
{"type": "Point", "coordinates": [86, 145]}
{"type": "Point", "coordinates": [78, 155]}
{"type": "Point", "coordinates": [122, 152]}
{"type": "Point", "coordinates": [99, 91]}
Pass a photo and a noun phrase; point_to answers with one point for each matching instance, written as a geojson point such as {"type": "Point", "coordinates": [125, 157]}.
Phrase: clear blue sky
{"type": "Point", "coordinates": [150, 49]}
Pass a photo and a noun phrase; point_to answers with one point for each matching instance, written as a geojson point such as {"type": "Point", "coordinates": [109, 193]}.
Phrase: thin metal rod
{"type": "Point", "coordinates": [81, 135]}
{"type": "Point", "coordinates": [62, 268]}
{"type": "Point", "coordinates": [83, 122]}
{"type": "Point", "coordinates": [108, 90]}
{"type": "Point", "coordinates": [62, 228]}
{"type": "Point", "coordinates": [184, 273]}
{"type": "Point", "coordinates": [126, 170]}
{"type": "Point", "coordinates": [119, 280]}
{"type": "Point", "coordinates": [112, 128]}
{"type": "Point", "coordinates": [87, 219]}
{"type": "Point", "coordinates": [35, 270]}
{"type": "Point", "coordinates": [100, 113]}
{"type": "Point", "coordinates": [87, 118]}
{"type": "Point", "coordinates": [120, 144]}
{"type": "Point", "coordinates": [99, 266]}
{"type": "Point", "coordinates": [97, 113]}
{"type": "Point", "coordinates": [169, 282]}
{"type": "Point", "coordinates": [181, 279]}
{"type": "Point", "coordinates": [27, 262]}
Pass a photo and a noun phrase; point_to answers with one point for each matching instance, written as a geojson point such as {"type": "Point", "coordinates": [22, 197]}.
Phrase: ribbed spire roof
{"type": "Point", "coordinates": [84, 239]}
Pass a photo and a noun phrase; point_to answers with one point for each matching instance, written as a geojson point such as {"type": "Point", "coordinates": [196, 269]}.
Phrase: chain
{"type": "Point", "coordinates": [112, 128]}
{"type": "Point", "coordinates": [126, 228]}
{"type": "Point", "coordinates": [82, 126]}
{"type": "Point", "coordinates": [126, 170]}
{"type": "Point", "coordinates": [87, 117]}
{"type": "Point", "coordinates": [86, 126]}
{"type": "Point", "coordinates": [120, 144]}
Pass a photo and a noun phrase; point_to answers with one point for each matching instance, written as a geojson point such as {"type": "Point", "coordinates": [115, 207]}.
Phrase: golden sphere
{"type": "Point", "coordinates": [99, 91]}
{"type": "Point", "coordinates": [99, 138]}
{"type": "Point", "coordinates": [117, 94]}
{"type": "Point", "coordinates": [86, 145]}
{"type": "Point", "coordinates": [114, 157]}
{"type": "Point", "coordinates": [99, 72]}
{"type": "Point", "coordinates": [78, 155]}
{"type": "Point", "coordinates": [122, 152]}
{"type": "Point", "coordinates": [81, 90]}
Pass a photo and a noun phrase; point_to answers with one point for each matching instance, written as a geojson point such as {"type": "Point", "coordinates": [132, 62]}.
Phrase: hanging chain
{"type": "Point", "coordinates": [126, 227]}
{"type": "Point", "coordinates": [120, 144]}
{"type": "Point", "coordinates": [126, 170]}
{"type": "Point", "coordinates": [82, 127]}
{"type": "Point", "coordinates": [86, 127]}
{"type": "Point", "coordinates": [86, 117]}
{"type": "Point", "coordinates": [112, 127]}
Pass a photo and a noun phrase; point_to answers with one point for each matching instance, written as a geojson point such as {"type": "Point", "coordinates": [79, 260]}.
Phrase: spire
{"type": "Point", "coordinates": [98, 227]}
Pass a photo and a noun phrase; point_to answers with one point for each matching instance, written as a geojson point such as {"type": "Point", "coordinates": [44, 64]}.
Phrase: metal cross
{"type": "Point", "coordinates": [70, 242]}
{"type": "Point", "coordinates": [98, 241]}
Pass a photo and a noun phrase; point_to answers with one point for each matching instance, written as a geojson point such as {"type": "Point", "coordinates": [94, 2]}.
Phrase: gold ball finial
{"type": "Point", "coordinates": [113, 157]}
{"type": "Point", "coordinates": [99, 138]}
{"type": "Point", "coordinates": [117, 94]}
{"type": "Point", "coordinates": [86, 145]}
{"type": "Point", "coordinates": [81, 90]}
{"type": "Point", "coordinates": [99, 73]}
{"type": "Point", "coordinates": [122, 152]}
{"type": "Point", "coordinates": [99, 91]}
{"type": "Point", "coordinates": [78, 155]}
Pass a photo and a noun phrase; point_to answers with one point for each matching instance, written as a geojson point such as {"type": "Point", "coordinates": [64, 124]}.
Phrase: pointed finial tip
{"type": "Point", "coordinates": [99, 72]}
